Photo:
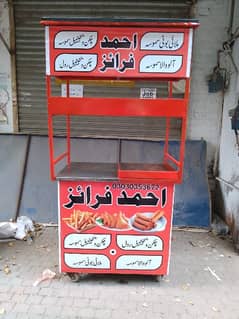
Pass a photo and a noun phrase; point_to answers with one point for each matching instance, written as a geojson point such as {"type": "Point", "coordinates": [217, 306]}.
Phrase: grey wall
{"type": "Point", "coordinates": [6, 103]}
{"type": "Point", "coordinates": [228, 174]}
{"type": "Point", "coordinates": [12, 160]}
{"type": "Point", "coordinates": [192, 200]}
{"type": "Point", "coordinates": [205, 108]}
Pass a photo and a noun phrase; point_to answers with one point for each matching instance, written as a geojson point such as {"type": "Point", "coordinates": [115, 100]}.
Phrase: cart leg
{"type": "Point", "coordinates": [158, 278]}
{"type": "Point", "coordinates": [74, 276]}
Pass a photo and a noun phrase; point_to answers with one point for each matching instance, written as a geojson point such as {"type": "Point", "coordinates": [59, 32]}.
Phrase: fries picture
{"type": "Point", "coordinates": [80, 220]}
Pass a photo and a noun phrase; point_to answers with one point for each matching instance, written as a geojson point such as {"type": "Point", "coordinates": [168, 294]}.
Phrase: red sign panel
{"type": "Point", "coordinates": [121, 52]}
{"type": "Point", "coordinates": [115, 227]}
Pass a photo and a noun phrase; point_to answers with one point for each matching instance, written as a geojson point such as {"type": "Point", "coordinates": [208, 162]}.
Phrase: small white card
{"type": "Point", "coordinates": [75, 90]}
{"type": "Point", "coordinates": [148, 93]}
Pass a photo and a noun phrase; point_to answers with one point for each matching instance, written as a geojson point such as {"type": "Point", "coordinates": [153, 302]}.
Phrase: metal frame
{"type": "Point", "coordinates": [171, 169]}
{"type": "Point", "coordinates": [169, 107]}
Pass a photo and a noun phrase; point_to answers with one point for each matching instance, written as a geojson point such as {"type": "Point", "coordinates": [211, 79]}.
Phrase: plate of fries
{"type": "Point", "coordinates": [115, 221]}
{"type": "Point", "coordinates": [81, 221]}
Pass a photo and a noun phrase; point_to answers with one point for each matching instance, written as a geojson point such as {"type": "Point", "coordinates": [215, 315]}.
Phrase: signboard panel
{"type": "Point", "coordinates": [123, 52]}
{"type": "Point", "coordinates": [115, 227]}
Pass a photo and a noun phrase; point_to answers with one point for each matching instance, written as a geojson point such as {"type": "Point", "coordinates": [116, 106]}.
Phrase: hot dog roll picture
{"type": "Point", "coordinates": [145, 223]}
{"type": "Point", "coordinates": [143, 217]}
{"type": "Point", "coordinates": [157, 215]}
{"type": "Point", "coordinates": [140, 226]}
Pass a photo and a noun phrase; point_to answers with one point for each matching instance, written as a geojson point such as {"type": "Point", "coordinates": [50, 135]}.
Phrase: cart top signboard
{"type": "Point", "coordinates": [122, 49]}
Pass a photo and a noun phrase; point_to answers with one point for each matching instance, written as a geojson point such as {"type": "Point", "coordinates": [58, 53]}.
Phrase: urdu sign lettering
{"type": "Point", "coordinates": [118, 52]}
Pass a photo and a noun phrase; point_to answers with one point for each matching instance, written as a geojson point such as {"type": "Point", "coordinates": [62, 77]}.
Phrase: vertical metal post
{"type": "Point", "coordinates": [50, 130]}
{"type": "Point", "coordinates": [67, 89]}
{"type": "Point", "coordinates": [68, 137]}
{"type": "Point", "coordinates": [119, 158]}
{"type": "Point", "coordinates": [170, 93]}
{"type": "Point", "coordinates": [167, 128]}
{"type": "Point", "coordinates": [68, 126]}
{"type": "Point", "coordinates": [166, 138]}
{"type": "Point", "coordinates": [51, 147]}
{"type": "Point", "coordinates": [183, 130]}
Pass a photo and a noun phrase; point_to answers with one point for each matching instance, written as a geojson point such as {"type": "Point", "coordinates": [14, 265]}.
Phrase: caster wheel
{"type": "Point", "coordinates": [75, 277]}
{"type": "Point", "coordinates": [159, 278]}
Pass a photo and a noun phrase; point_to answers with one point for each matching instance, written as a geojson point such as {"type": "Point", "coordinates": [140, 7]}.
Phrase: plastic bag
{"type": "Point", "coordinates": [24, 225]}
{"type": "Point", "coordinates": [46, 274]}
{"type": "Point", "coordinates": [7, 230]}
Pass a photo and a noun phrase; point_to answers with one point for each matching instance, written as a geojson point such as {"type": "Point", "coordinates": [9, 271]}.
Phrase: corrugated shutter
{"type": "Point", "coordinates": [31, 64]}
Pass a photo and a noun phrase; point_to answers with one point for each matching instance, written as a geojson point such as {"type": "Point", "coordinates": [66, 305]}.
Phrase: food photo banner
{"type": "Point", "coordinates": [118, 52]}
{"type": "Point", "coordinates": [115, 227]}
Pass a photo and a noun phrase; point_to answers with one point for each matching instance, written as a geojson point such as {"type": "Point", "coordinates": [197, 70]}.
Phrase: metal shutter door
{"type": "Point", "coordinates": [30, 58]}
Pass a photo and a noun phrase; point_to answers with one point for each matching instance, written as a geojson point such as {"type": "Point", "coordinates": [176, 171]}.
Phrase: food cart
{"type": "Point", "coordinates": [117, 217]}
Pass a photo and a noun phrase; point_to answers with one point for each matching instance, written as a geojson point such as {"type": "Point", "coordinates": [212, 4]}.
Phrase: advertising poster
{"type": "Point", "coordinates": [114, 227]}
{"type": "Point", "coordinates": [118, 51]}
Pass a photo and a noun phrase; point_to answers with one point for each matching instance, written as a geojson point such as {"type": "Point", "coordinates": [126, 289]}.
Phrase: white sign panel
{"type": "Point", "coordinates": [87, 261]}
{"type": "Point", "coordinates": [87, 241]}
{"type": "Point", "coordinates": [75, 90]}
{"type": "Point", "coordinates": [160, 63]}
{"type": "Point", "coordinates": [76, 62]}
{"type": "Point", "coordinates": [135, 242]}
{"type": "Point", "coordinates": [167, 41]}
{"type": "Point", "coordinates": [75, 40]}
{"type": "Point", "coordinates": [138, 262]}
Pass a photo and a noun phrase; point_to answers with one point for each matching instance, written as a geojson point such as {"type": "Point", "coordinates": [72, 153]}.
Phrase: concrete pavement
{"type": "Point", "coordinates": [203, 283]}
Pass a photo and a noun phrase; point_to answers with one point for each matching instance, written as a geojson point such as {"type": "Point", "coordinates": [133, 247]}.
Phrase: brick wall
{"type": "Point", "coordinates": [205, 108]}
{"type": "Point", "coordinates": [6, 110]}
{"type": "Point", "coordinates": [228, 174]}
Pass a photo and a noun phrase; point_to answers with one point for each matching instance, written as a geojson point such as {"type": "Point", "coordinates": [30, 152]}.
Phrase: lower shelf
{"type": "Point", "coordinates": [148, 172]}
{"type": "Point", "coordinates": [123, 171]}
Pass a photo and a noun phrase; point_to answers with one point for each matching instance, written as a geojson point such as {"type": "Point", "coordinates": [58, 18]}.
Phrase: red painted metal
{"type": "Point", "coordinates": [122, 23]}
{"type": "Point", "coordinates": [171, 176]}
{"type": "Point", "coordinates": [183, 130]}
{"type": "Point", "coordinates": [60, 157]}
{"type": "Point", "coordinates": [125, 52]}
{"type": "Point", "coordinates": [51, 148]}
{"type": "Point", "coordinates": [167, 108]}
{"type": "Point", "coordinates": [137, 186]}
{"type": "Point", "coordinates": [68, 136]}
{"type": "Point", "coordinates": [104, 249]}
{"type": "Point", "coordinates": [116, 107]}
{"type": "Point", "coordinates": [170, 157]}
{"type": "Point", "coordinates": [166, 137]}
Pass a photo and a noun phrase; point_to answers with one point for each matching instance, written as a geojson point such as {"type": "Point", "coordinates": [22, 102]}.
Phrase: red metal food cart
{"type": "Point", "coordinates": [117, 217]}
